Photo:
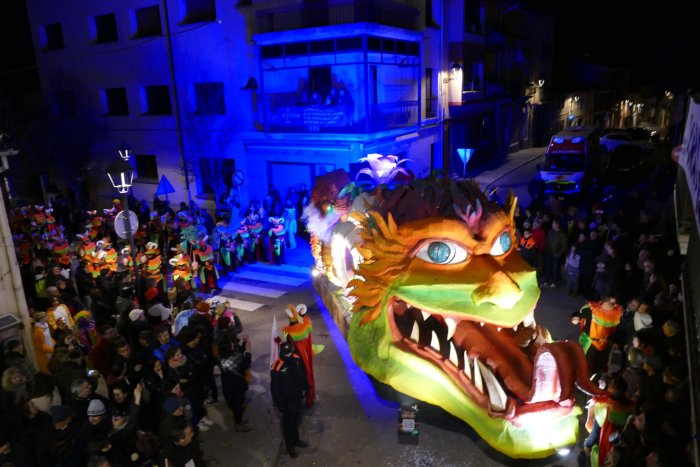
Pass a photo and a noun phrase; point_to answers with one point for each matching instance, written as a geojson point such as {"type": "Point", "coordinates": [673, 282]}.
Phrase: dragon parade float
{"type": "Point", "coordinates": [424, 279]}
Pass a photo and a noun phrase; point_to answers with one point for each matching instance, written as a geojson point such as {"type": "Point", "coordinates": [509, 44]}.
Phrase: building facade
{"type": "Point", "coordinates": [278, 92]}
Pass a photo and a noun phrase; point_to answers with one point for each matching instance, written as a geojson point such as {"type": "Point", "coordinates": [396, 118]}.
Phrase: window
{"type": "Point", "coordinates": [146, 167]}
{"type": "Point", "coordinates": [148, 21]}
{"type": "Point", "coordinates": [210, 98]}
{"type": "Point", "coordinates": [54, 36]}
{"type": "Point", "coordinates": [218, 170]}
{"type": "Point", "coordinates": [158, 100]}
{"type": "Point", "coordinates": [105, 28]}
{"type": "Point", "coordinates": [197, 11]}
{"type": "Point", "coordinates": [430, 98]}
{"type": "Point", "coordinates": [116, 101]}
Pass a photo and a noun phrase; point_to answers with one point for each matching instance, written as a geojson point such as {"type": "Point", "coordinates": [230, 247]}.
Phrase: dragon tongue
{"type": "Point", "coordinates": [546, 385]}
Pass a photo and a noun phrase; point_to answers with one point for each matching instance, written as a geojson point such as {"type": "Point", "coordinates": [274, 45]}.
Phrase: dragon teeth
{"type": "Point", "coordinates": [415, 332]}
{"type": "Point", "coordinates": [425, 314]}
{"type": "Point", "coordinates": [482, 323]}
{"type": "Point", "coordinates": [529, 321]}
{"type": "Point", "coordinates": [467, 367]}
{"type": "Point", "coordinates": [515, 328]}
{"type": "Point", "coordinates": [453, 355]}
{"type": "Point", "coordinates": [497, 395]}
{"type": "Point", "coordinates": [451, 327]}
{"type": "Point", "coordinates": [435, 342]}
{"type": "Point", "coordinates": [478, 382]}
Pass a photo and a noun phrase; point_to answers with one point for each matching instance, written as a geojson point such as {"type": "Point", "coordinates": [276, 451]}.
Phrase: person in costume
{"type": "Point", "coordinates": [154, 264]}
{"type": "Point", "coordinates": [243, 243]}
{"type": "Point", "coordinates": [277, 235]}
{"type": "Point", "coordinates": [607, 415]}
{"type": "Point", "coordinates": [110, 253]}
{"type": "Point", "coordinates": [298, 331]}
{"type": "Point", "coordinates": [290, 220]}
{"type": "Point", "coordinates": [94, 225]}
{"type": "Point", "coordinates": [43, 342]}
{"type": "Point", "coordinates": [208, 274]}
{"type": "Point", "coordinates": [255, 228]}
{"type": "Point", "coordinates": [182, 270]}
{"type": "Point", "coordinates": [597, 323]}
{"type": "Point", "coordinates": [86, 247]}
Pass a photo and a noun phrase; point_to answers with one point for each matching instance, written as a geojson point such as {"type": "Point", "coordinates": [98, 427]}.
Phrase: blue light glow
{"type": "Point", "coordinates": [373, 406]}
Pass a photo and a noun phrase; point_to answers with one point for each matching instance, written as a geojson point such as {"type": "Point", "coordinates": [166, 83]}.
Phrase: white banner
{"type": "Point", "coordinates": [690, 156]}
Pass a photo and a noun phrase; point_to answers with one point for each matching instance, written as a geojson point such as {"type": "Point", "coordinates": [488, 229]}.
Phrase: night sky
{"type": "Point", "coordinates": [655, 43]}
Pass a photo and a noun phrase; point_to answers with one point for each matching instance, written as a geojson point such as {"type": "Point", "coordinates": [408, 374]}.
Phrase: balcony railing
{"type": "Point", "coordinates": [341, 118]}
{"type": "Point", "coordinates": [383, 12]}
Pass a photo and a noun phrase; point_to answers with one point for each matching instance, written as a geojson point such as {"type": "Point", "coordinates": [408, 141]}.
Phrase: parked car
{"type": "Point", "coordinates": [636, 136]}
{"type": "Point", "coordinates": [625, 167]}
{"type": "Point", "coordinates": [612, 141]}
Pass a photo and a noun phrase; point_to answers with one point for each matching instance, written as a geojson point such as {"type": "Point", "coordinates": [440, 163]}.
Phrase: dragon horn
{"type": "Point", "coordinates": [511, 203]}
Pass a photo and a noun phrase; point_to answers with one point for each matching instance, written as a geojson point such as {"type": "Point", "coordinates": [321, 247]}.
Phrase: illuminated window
{"type": "Point", "coordinates": [197, 11]}
{"type": "Point", "coordinates": [210, 98]}
{"type": "Point", "coordinates": [148, 21]}
{"type": "Point", "coordinates": [116, 101]}
{"type": "Point", "coordinates": [158, 100]}
{"type": "Point", "coordinates": [105, 28]}
{"type": "Point", "coordinates": [146, 168]}
{"type": "Point", "coordinates": [53, 37]}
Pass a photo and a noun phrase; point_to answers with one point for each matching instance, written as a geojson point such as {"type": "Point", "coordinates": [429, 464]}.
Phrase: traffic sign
{"type": "Point", "coordinates": [120, 224]}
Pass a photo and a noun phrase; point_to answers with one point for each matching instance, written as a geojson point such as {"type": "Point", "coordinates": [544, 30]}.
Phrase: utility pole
{"type": "Point", "coordinates": [176, 100]}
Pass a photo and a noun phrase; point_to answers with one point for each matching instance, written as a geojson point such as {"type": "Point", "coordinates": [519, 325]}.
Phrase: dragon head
{"type": "Point", "coordinates": [443, 310]}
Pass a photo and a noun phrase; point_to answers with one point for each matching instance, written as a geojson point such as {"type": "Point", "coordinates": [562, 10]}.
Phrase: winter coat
{"type": "Point", "coordinates": [288, 381]}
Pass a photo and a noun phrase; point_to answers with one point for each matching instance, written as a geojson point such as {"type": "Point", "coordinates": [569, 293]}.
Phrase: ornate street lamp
{"type": "Point", "coordinates": [121, 174]}
{"type": "Point", "coordinates": [125, 152]}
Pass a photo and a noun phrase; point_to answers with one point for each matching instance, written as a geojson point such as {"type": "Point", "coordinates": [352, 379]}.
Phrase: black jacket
{"type": "Point", "coordinates": [288, 381]}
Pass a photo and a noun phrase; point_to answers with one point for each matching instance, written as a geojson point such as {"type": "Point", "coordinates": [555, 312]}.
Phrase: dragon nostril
{"type": "Point", "coordinates": [499, 290]}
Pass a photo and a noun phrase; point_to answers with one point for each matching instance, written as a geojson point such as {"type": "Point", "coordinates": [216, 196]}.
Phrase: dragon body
{"type": "Point", "coordinates": [436, 301]}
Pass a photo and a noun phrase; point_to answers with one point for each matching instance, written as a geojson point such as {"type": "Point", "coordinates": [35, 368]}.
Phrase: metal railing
{"type": "Point", "coordinates": [340, 118]}
{"type": "Point", "coordinates": [385, 12]}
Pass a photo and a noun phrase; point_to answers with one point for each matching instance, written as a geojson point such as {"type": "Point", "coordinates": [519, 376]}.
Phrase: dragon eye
{"type": "Point", "coordinates": [442, 253]}
{"type": "Point", "coordinates": [501, 245]}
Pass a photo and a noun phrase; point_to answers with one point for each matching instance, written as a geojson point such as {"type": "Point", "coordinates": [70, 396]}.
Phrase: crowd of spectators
{"type": "Point", "coordinates": [126, 363]}
{"type": "Point", "coordinates": [622, 255]}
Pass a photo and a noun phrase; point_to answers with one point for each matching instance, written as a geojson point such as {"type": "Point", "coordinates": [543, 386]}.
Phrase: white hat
{"type": "Point", "coordinates": [135, 314]}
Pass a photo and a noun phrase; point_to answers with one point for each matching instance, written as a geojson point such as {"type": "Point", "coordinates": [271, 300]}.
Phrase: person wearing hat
{"type": "Point", "coordinates": [97, 425]}
{"type": "Point", "coordinates": [59, 445]}
{"type": "Point", "coordinates": [288, 386]}
{"type": "Point", "coordinates": [157, 313]}
{"type": "Point", "coordinates": [43, 342]}
{"type": "Point", "coordinates": [173, 414]}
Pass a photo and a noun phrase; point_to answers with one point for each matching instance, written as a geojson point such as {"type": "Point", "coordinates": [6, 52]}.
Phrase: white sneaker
{"type": "Point", "coordinates": [207, 421]}
{"type": "Point", "coordinates": [202, 426]}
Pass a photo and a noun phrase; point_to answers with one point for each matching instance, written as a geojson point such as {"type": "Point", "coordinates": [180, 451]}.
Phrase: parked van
{"type": "Point", "coordinates": [572, 161]}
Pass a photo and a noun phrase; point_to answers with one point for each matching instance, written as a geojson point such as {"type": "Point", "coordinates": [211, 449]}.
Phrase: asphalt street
{"type": "Point", "coordinates": [355, 420]}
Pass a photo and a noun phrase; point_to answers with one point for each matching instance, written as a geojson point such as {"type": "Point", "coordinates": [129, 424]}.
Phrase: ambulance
{"type": "Point", "coordinates": [571, 162]}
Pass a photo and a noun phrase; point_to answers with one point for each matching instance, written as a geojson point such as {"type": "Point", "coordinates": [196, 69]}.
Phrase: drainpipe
{"type": "Point", "coordinates": [176, 100]}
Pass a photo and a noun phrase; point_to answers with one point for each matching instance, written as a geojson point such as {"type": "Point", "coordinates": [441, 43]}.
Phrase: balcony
{"type": "Point", "coordinates": [345, 119]}
{"type": "Point", "coordinates": [384, 12]}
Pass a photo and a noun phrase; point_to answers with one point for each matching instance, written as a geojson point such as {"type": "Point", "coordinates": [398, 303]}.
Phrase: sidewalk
{"type": "Point", "coordinates": [489, 174]}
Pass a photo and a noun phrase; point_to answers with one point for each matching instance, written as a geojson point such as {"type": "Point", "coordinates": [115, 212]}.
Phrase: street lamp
{"type": "Point", "coordinates": [125, 152]}
{"type": "Point", "coordinates": [121, 175]}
